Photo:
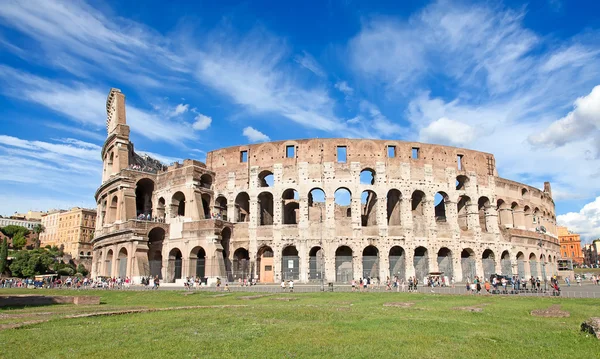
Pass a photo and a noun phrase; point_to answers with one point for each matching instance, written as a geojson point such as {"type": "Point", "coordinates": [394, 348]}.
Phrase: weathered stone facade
{"type": "Point", "coordinates": [277, 210]}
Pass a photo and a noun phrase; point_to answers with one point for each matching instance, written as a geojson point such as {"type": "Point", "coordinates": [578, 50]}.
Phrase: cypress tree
{"type": "Point", "coordinates": [3, 255]}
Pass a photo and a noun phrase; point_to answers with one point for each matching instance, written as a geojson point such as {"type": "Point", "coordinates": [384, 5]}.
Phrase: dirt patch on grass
{"type": "Point", "coordinates": [474, 309]}
{"type": "Point", "coordinates": [592, 326]}
{"type": "Point", "coordinates": [399, 304]}
{"type": "Point", "coordinates": [251, 297]}
{"type": "Point", "coordinates": [552, 312]}
{"type": "Point", "coordinates": [285, 299]}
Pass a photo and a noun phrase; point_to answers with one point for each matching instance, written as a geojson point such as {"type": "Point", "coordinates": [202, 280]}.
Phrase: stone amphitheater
{"type": "Point", "coordinates": [316, 210]}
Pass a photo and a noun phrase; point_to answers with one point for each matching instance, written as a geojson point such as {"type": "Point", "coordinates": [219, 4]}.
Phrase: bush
{"type": "Point", "coordinates": [65, 271]}
{"type": "Point", "coordinates": [82, 270]}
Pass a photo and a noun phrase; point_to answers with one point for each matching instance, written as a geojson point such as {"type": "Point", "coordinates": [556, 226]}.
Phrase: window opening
{"type": "Point", "coordinates": [341, 154]}
{"type": "Point", "coordinates": [415, 153]}
{"type": "Point", "coordinates": [243, 156]}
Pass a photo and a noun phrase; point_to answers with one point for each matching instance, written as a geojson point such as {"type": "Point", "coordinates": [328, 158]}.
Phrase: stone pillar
{"type": "Point", "coordinates": [452, 215]}
{"type": "Point", "coordinates": [384, 265]}
{"type": "Point", "coordinates": [114, 269]}
{"type": "Point", "coordinates": [357, 264]}
{"type": "Point", "coordinates": [457, 266]}
{"type": "Point", "coordinates": [230, 210]}
{"type": "Point", "coordinates": [433, 261]}
{"type": "Point", "coordinates": [519, 219]}
{"type": "Point", "coordinates": [479, 266]}
{"type": "Point", "coordinates": [409, 267]}
{"type": "Point", "coordinates": [505, 215]}
{"type": "Point", "coordinates": [303, 261]}
{"type": "Point", "coordinates": [527, 268]}
{"type": "Point", "coordinates": [473, 217]}
{"type": "Point", "coordinates": [329, 259]}
{"type": "Point", "coordinates": [329, 219]}
{"type": "Point", "coordinates": [277, 211]}
{"type": "Point", "coordinates": [277, 267]}
{"type": "Point", "coordinates": [429, 216]}
{"type": "Point", "coordinates": [406, 213]}
{"type": "Point", "coordinates": [303, 209]}
{"type": "Point", "coordinates": [491, 220]}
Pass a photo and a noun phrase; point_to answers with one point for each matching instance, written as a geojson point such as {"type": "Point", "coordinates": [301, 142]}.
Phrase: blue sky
{"type": "Point", "coordinates": [515, 79]}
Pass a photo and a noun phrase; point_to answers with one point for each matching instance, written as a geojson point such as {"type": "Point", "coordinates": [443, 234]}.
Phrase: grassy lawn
{"type": "Point", "coordinates": [315, 325]}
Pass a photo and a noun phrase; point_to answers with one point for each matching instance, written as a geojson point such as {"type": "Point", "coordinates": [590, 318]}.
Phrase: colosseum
{"type": "Point", "coordinates": [325, 210]}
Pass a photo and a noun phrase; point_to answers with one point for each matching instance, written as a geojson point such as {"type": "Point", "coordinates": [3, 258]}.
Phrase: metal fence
{"type": "Point", "coordinates": [343, 269]}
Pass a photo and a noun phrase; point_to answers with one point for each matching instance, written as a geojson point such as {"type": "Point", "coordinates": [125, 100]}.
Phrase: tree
{"type": "Point", "coordinates": [12, 230]}
{"type": "Point", "coordinates": [3, 255]}
{"type": "Point", "coordinates": [38, 229]}
{"type": "Point", "coordinates": [82, 269]}
{"type": "Point", "coordinates": [30, 263]}
{"type": "Point", "coordinates": [19, 241]}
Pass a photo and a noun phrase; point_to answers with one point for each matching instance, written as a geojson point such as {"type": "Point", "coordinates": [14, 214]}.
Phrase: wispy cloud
{"type": "Point", "coordinates": [202, 122]}
{"type": "Point", "coordinates": [308, 62]}
{"type": "Point", "coordinates": [254, 135]}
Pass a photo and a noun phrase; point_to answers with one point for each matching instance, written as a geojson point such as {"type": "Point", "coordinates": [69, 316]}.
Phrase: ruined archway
{"type": "Point", "coordinates": [417, 200]}
{"type": "Point", "coordinates": [316, 205]}
{"type": "Point", "coordinates": [367, 176]}
{"type": "Point", "coordinates": [266, 179]}
{"type": "Point", "coordinates": [533, 268]}
{"type": "Point", "coordinates": [198, 262]}
{"type": "Point", "coordinates": [265, 208]}
{"type": "Point", "coordinates": [343, 264]}
{"type": "Point", "coordinates": [444, 260]}
{"type": "Point", "coordinates": [112, 210]}
{"type": "Point", "coordinates": [394, 210]}
{"type": "Point", "coordinates": [290, 263]}
{"type": "Point", "coordinates": [160, 208]}
{"type": "Point", "coordinates": [488, 259]}
{"type": "Point", "coordinates": [225, 244]}
{"type": "Point", "coordinates": [421, 263]}
{"type": "Point", "coordinates": [370, 262]}
{"type": "Point", "coordinates": [462, 182]}
{"type": "Point", "coordinates": [342, 201]}
{"type": "Point", "coordinates": [174, 266]}
{"type": "Point", "coordinates": [368, 200]}
{"type": "Point", "coordinates": [468, 266]}
{"type": "Point", "coordinates": [178, 204]}
{"type": "Point", "coordinates": [108, 263]}
{"type": "Point", "coordinates": [264, 264]}
{"type": "Point", "coordinates": [291, 206]}
{"type": "Point", "coordinates": [143, 197]}
{"type": "Point", "coordinates": [483, 205]}
{"type": "Point", "coordinates": [122, 263]}
{"type": "Point", "coordinates": [242, 207]}
{"type": "Point", "coordinates": [440, 201]}
{"type": "Point", "coordinates": [316, 263]}
{"type": "Point", "coordinates": [155, 246]}
{"type": "Point", "coordinates": [505, 264]}
{"type": "Point", "coordinates": [221, 208]}
{"type": "Point", "coordinates": [521, 265]}
{"type": "Point", "coordinates": [241, 264]}
{"type": "Point", "coordinates": [463, 212]}
{"type": "Point", "coordinates": [397, 259]}
{"type": "Point", "coordinates": [206, 181]}
{"type": "Point", "coordinates": [206, 199]}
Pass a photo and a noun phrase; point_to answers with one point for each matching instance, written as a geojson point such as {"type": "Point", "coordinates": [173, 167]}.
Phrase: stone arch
{"type": "Point", "coordinates": [290, 263]}
{"type": "Point", "coordinates": [178, 204]}
{"type": "Point", "coordinates": [221, 207]}
{"type": "Point", "coordinates": [206, 200]}
{"type": "Point", "coordinates": [316, 205]}
{"type": "Point", "coordinates": [160, 208]}
{"type": "Point", "coordinates": [198, 262]}
{"type": "Point", "coordinates": [468, 264]}
{"type": "Point", "coordinates": [266, 179]}
{"type": "Point", "coordinates": [175, 265]}
{"type": "Point", "coordinates": [241, 264]}
{"type": "Point", "coordinates": [367, 176]}
{"type": "Point", "coordinates": [421, 263]}
{"type": "Point", "coordinates": [343, 264]}
{"type": "Point", "coordinates": [394, 208]}
{"type": "Point", "coordinates": [444, 261]}
{"type": "Point", "coordinates": [520, 264]}
{"type": "Point", "coordinates": [463, 204]}
{"type": "Point", "coordinates": [368, 214]}
{"type": "Point", "coordinates": [206, 181]}
{"type": "Point", "coordinates": [156, 238]}
{"type": "Point", "coordinates": [242, 207]}
{"type": "Point", "coordinates": [488, 259]}
{"type": "Point", "coordinates": [528, 218]}
{"type": "Point", "coordinates": [112, 210]}
{"type": "Point", "coordinates": [226, 244]}
{"type": "Point", "coordinates": [440, 201]}
{"type": "Point", "coordinates": [397, 260]}
{"type": "Point", "coordinates": [108, 263]}
{"type": "Point", "coordinates": [342, 203]}
{"type": "Point", "coordinates": [291, 206]}
{"type": "Point", "coordinates": [370, 262]}
{"type": "Point", "coordinates": [316, 263]}
{"type": "Point", "coordinates": [265, 208]}
{"type": "Point", "coordinates": [483, 205]}
{"type": "Point", "coordinates": [264, 263]}
{"type": "Point", "coordinates": [122, 260]}
{"type": "Point", "coordinates": [506, 264]}
{"type": "Point", "coordinates": [417, 200]}
{"type": "Point", "coordinates": [524, 192]}
{"type": "Point", "coordinates": [462, 182]}
{"type": "Point", "coordinates": [533, 265]}
{"type": "Point", "coordinates": [143, 197]}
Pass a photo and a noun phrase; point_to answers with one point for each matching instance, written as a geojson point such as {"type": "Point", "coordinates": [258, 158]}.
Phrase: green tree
{"type": "Point", "coordinates": [12, 230]}
{"type": "Point", "coordinates": [19, 241]}
{"type": "Point", "coordinates": [82, 269]}
{"type": "Point", "coordinates": [3, 255]}
{"type": "Point", "coordinates": [30, 263]}
{"type": "Point", "coordinates": [38, 229]}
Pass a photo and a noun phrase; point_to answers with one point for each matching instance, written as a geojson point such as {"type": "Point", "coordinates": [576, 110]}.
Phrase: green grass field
{"type": "Point", "coordinates": [315, 325]}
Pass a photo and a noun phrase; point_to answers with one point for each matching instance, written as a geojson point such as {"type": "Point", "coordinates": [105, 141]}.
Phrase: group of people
{"type": "Point", "coordinates": [148, 217]}
{"type": "Point", "coordinates": [287, 285]}
{"type": "Point", "coordinates": [142, 168]}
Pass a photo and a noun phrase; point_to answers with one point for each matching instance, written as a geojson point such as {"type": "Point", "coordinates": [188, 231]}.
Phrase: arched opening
{"type": "Point", "coordinates": [343, 264]}
{"type": "Point", "coordinates": [342, 199]}
{"type": "Point", "coordinates": [368, 200]}
{"type": "Point", "coordinates": [316, 205]}
{"type": "Point", "coordinates": [349, 213]}
{"type": "Point", "coordinates": [543, 266]}
{"type": "Point", "coordinates": [528, 217]}
{"type": "Point", "coordinates": [517, 215]}
{"type": "Point", "coordinates": [265, 207]}
{"type": "Point", "coordinates": [198, 262]}
{"type": "Point", "coordinates": [242, 207]}
{"type": "Point", "coordinates": [397, 259]}
{"type": "Point", "coordinates": [482, 206]}
{"type": "Point", "coordinates": [264, 263]}
{"type": "Point", "coordinates": [524, 192]}
{"type": "Point", "coordinates": [143, 197]}
{"type": "Point", "coordinates": [99, 269]}
{"type": "Point", "coordinates": [206, 181]}
{"type": "Point", "coordinates": [221, 208]}
{"type": "Point", "coordinates": [241, 264]}
{"type": "Point", "coordinates": [103, 213]}
{"type": "Point", "coordinates": [463, 212]}
{"type": "Point", "coordinates": [521, 265]}
{"type": "Point", "coordinates": [290, 263]}
{"type": "Point", "coordinates": [536, 217]}
{"type": "Point", "coordinates": [462, 182]}
{"type": "Point", "coordinates": [417, 199]}
{"type": "Point", "coordinates": [178, 204]}
{"type": "Point", "coordinates": [467, 262]}
{"type": "Point", "coordinates": [444, 260]}
{"type": "Point", "coordinates": [440, 200]}
{"type": "Point", "coordinates": [108, 263]}
{"type": "Point", "coordinates": [370, 262]}
{"type": "Point", "coordinates": [394, 211]}
{"type": "Point", "coordinates": [225, 243]}
{"type": "Point", "coordinates": [112, 211]}
{"type": "Point", "coordinates": [160, 208]}
{"type": "Point", "coordinates": [266, 179]}
{"type": "Point", "coordinates": [111, 160]}
{"type": "Point", "coordinates": [291, 206]}
{"type": "Point", "coordinates": [421, 263]}
{"type": "Point", "coordinates": [367, 176]}
{"type": "Point", "coordinates": [155, 246]}
{"type": "Point", "coordinates": [316, 263]}
{"type": "Point", "coordinates": [489, 263]}
{"type": "Point", "coordinates": [505, 264]}
{"type": "Point", "coordinates": [122, 263]}
{"type": "Point", "coordinates": [174, 266]}
{"type": "Point", "coordinates": [206, 205]}
{"type": "Point", "coordinates": [533, 268]}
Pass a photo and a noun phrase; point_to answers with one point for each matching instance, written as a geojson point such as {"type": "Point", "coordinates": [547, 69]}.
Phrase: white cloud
{"type": "Point", "coordinates": [308, 62]}
{"type": "Point", "coordinates": [254, 135]}
{"type": "Point", "coordinates": [344, 88]}
{"type": "Point", "coordinates": [24, 202]}
{"type": "Point", "coordinates": [181, 109]}
{"type": "Point", "coordinates": [586, 222]}
{"type": "Point", "coordinates": [581, 123]}
{"type": "Point", "coordinates": [449, 132]}
{"type": "Point", "coordinates": [202, 122]}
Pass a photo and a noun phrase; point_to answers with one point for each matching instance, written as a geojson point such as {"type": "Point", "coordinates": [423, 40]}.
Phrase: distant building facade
{"type": "Point", "coordinates": [18, 222]}
{"type": "Point", "coordinates": [30, 215]}
{"type": "Point", "coordinates": [73, 229]}
{"type": "Point", "coordinates": [570, 245]}
{"type": "Point", "coordinates": [590, 253]}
